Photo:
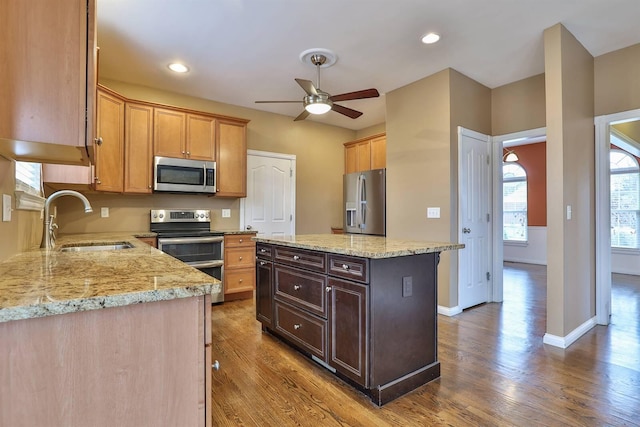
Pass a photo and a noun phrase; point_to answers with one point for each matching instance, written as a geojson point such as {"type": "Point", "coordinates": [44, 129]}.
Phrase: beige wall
{"type": "Point", "coordinates": [570, 170]}
{"type": "Point", "coordinates": [24, 231]}
{"type": "Point", "coordinates": [319, 163]}
{"type": "Point", "coordinates": [518, 106]}
{"type": "Point", "coordinates": [371, 130]}
{"type": "Point", "coordinates": [617, 86]}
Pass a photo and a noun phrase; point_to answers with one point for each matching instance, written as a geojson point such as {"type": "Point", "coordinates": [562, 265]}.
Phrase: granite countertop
{"type": "Point", "coordinates": [45, 282]}
{"type": "Point", "coordinates": [360, 245]}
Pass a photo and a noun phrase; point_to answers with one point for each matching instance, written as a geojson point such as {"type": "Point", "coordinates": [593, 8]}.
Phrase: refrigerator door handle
{"type": "Point", "coordinates": [363, 202]}
{"type": "Point", "coordinates": [358, 184]}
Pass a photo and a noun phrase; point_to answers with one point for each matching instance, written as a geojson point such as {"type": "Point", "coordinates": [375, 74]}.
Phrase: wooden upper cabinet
{"type": "Point", "coordinates": [48, 71]}
{"type": "Point", "coordinates": [169, 133]}
{"type": "Point", "coordinates": [379, 152]}
{"type": "Point", "coordinates": [365, 154]}
{"type": "Point", "coordinates": [109, 150]}
{"type": "Point", "coordinates": [138, 142]}
{"type": "Point", "coordinates": [201, 137]}
{"type": "Point", "coordinates": [231, 163]}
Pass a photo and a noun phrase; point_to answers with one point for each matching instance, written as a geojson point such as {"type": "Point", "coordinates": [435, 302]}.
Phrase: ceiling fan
{"type": "Point", "coordinates": [318, 101]}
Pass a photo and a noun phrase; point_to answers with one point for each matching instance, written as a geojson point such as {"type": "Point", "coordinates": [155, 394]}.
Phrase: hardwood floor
{"type": "Point", "coordinates": [495, 370]}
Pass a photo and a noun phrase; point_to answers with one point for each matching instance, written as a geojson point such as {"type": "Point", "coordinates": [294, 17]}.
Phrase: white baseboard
{"type": "Point", "coordinates": [564, 342]}
{"type": "Point", "coordinates": [449, 311]}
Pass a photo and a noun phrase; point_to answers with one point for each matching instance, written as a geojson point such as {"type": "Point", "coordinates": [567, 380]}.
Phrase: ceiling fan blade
{"type": "Point", "coordinates": [360, 94]}
{"type": "Point", "coordinates": [302, 116]}
{"type": "Point", "coordinates": [267, 102]}
{"type": "Point", "coordinates": [308, 86]}
{"type": "Point", "coordinates": [346, 111]}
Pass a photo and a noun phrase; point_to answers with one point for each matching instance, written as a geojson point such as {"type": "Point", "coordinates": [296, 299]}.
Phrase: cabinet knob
{"type": "Point", "coordinates": [263, 250]}
{"type": "Point", "coordinates": [240, 240]}
{"type": "Point", "coordinates": [188, 153]}
{"type": "Point", "coordinates": [240, 281]}
{"type": "Point", "coordinates": [263, 263]}
{"type": "Point", "coordinates": [240, 258]}
{"type": "Point", "coordinates": [98, 140]}
{"type": "Point", "coordinates": [97, 180]}
{"type": "Point", "coordinates": [216, 366]}
{"type": "Point", "coordinates": [328, 289]}
{"type": "Point", "coordinates": [297, 326]}
{"type": "Point", "coordinates": [345, 266]}
{"type": "Point", "coordinates": [296, 287]}
{"type": "Point", "coordinates": [296, 257]}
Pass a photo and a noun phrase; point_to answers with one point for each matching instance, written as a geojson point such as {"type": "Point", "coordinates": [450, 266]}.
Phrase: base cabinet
{"type": "Point", "coordinates": [353, 314]}
{"type": "Point", "coordinates": [239, 266]}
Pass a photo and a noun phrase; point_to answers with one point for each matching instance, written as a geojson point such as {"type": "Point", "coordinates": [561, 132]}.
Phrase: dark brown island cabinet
{"type": "Point", "coordinates": [363, 307]}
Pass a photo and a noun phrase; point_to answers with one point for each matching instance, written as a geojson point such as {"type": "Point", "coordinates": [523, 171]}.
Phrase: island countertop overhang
{"type": "Point", "coordinates": [373, 247]}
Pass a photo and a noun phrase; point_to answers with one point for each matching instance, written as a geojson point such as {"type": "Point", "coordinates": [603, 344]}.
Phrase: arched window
{"type": "Point", "coordinates": [514, 202]}
{"type": "Point", "coordinates": [625, 199]}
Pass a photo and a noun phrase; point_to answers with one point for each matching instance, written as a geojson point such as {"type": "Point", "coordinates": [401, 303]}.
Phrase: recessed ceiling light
{"type": "Point", "coordinates": [430, 38]}
{"type": "Point", "coordinates": [178, 68]}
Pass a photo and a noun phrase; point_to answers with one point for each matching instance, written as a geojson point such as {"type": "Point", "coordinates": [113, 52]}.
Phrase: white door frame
{"type": "Point", "coordinates": [292, 158]}
{"type": "Point", "coordinates": [482, 137]}
{"type": "Point", "coordinates": [603, 212]}
{"type": "Point", "coordinates": [499, 142]}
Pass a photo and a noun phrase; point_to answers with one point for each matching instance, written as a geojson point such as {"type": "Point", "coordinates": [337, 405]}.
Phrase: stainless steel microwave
{"type": "Point", "coordinates": [184, 175]}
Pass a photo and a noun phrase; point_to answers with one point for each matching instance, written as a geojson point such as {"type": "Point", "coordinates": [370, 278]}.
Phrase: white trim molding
{"type": "Point", "coordinates": [449, 311]}
{"type": "Point", "coordinates": [564, 342]}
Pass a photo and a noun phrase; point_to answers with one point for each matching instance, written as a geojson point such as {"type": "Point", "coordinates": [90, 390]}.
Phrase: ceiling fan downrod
{"type": "Point", "coordinates": [318, 60]}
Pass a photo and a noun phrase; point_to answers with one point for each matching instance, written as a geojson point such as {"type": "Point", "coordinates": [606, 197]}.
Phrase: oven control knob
{"type": "Point", "coordinates": [161, 216]}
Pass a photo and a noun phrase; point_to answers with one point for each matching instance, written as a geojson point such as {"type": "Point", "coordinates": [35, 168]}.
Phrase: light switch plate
{"type": "Point", "coordinates": [226, 213]}
{"type": "Point", "coordinates": [6, 208]}
{"type": "Point", "coordinates": [433, 212]}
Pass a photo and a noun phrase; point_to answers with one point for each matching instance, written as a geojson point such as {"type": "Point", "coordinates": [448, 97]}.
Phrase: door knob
{"type": "Point", "coordinates": [466, 230]}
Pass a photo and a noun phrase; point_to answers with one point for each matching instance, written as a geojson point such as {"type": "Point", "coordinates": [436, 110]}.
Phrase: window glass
{"type": "Point", "coordinates": [625, 199]}
{"type": "Point", "coordinates": [28, 177]}
{"type": "Point", "coordinates": [514, 202]}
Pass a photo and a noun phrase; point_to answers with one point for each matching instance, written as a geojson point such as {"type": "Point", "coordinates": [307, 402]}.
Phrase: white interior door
{"type": "Point", "coordinates": [269, 206]}
{"type": "Point", "coordinates": [474, 218]}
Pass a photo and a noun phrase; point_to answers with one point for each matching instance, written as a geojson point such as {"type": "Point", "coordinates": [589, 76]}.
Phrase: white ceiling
{"type": "Point", "coordinates": [241, 51]}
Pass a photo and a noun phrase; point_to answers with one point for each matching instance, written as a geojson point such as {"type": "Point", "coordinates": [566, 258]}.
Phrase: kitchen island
{"type": "Point", "coordinates": [364, 307]}
{"type": "Point", "coordinates": [104, 337]}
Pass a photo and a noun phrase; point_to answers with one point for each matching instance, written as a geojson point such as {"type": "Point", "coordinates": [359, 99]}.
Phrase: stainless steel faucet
{"type": "Point", "coordinates": [49, 238]}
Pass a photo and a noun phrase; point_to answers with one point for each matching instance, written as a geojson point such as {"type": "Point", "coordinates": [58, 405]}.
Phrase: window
{"type": "Point", "coordinates": [28, 178]}
{"type": "Point", "coordinates": [625, 199]}
{"type": "Point", "coordinates": [514, 202]}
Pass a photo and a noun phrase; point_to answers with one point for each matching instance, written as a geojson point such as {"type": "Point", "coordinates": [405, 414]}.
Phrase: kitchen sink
{"type": "Point", "coordinates": [92, 247]}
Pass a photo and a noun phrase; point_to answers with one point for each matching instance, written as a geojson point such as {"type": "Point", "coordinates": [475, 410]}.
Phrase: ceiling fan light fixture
{"type": "Point", "coordinates": [178, 68]}
{"type": "Point", "coordinates": [317, 104]}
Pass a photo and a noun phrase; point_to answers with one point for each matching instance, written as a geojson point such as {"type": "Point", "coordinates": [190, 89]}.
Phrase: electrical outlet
{"type": "Point", "coordinates": [407, 286]}
{"type": "Point", "coordinates": [226, 213]}
{"type": "Point", "coordinates": [433, 212]}
{"type": "Point", "coordinates": [104, 212]}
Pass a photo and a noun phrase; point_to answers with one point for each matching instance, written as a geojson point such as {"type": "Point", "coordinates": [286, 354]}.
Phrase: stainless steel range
{"type": "Point", "coordinates": [186, 235]}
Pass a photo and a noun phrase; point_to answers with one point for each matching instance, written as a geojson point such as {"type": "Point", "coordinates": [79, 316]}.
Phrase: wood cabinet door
{"type": "Point", "coordinates": [201, 137]}
{"type": "Point", "coordinates": [169, 133]}
{"type": "Point", "coordinates": [363, 156]}
{"type": "Point", "coordinates": [379, 152]}
{"type": "Point", "coordinates": [48, 68]}
{"type": "Point", "coordinates": [350, 159]}
{"type": "Point", "coordinates": [138, 143]}
{"type": "Point", "coordinates": [348, 326]}
{"type": "Point", "coordinates": [109, 151]}
{"type": "Point", "coordinates": [264, 292]}
{"type": "Point", "coordinates": [231, 159]}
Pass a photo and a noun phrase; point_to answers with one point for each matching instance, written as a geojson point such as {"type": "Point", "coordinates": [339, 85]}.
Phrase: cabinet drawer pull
{"type": "Point", "coordinates": [345, 266]}
{"type": "Point", "coordinates": [240, 240]}
{"type": "Point", "coordinates": [296, 287]}
{"type": "Point", "coordinates": [328, 289]}
{"type": "Point", "coordinates": [263, 263]}
{"type": "Point", "coordinates": [297, 326]}
{"type": "Point", "coordinates": [239, 258]}
{"type": "Point", "coordinates": [263, 250]}
{"type": "Point", "coordinates": [296, 257]}
{"type": "Point", "coordinates": [240, 281]}
{"type": "Point", "coordinates": [216, 366]}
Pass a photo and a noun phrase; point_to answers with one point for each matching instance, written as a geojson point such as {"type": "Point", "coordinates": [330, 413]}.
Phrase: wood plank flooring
{"type": "Point", "coordinates": [495, 370]}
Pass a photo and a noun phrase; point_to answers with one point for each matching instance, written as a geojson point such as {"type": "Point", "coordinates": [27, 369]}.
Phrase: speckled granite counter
{"type": "Point", "coordinates": [359, 245]}
{"type": "Point", "coordinates": [43, 282]}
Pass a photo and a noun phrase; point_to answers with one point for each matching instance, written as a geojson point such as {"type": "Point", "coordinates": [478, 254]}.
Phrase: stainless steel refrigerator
{"type": "Point", "coordinates": [365, 202]}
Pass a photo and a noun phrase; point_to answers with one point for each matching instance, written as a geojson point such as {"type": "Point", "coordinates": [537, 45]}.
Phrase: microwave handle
{"type": "Point", "coordinates": [204, 176]}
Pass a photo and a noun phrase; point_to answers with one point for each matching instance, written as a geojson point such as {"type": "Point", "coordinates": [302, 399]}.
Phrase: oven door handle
{"type": "Point", "coordinates": [206, 264]}
{"type": "Point", "coordinates": [188, 240]}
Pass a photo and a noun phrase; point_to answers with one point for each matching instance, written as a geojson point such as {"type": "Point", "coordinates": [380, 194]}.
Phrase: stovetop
{"type": "Point", "coordinates": [182, 223]}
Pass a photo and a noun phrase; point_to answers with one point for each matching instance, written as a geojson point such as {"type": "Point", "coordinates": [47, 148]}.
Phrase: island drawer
{"type": "Point", "coordinates": [263, 251]}
{"type": "Point", "coordinates": [352, 268]}
{"type": "Point", "coordinates": [310, 260]}
{"type": "Point", "coordinates": [301, 289]}
{"type": "Point", "coordinates": [302, 329]}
